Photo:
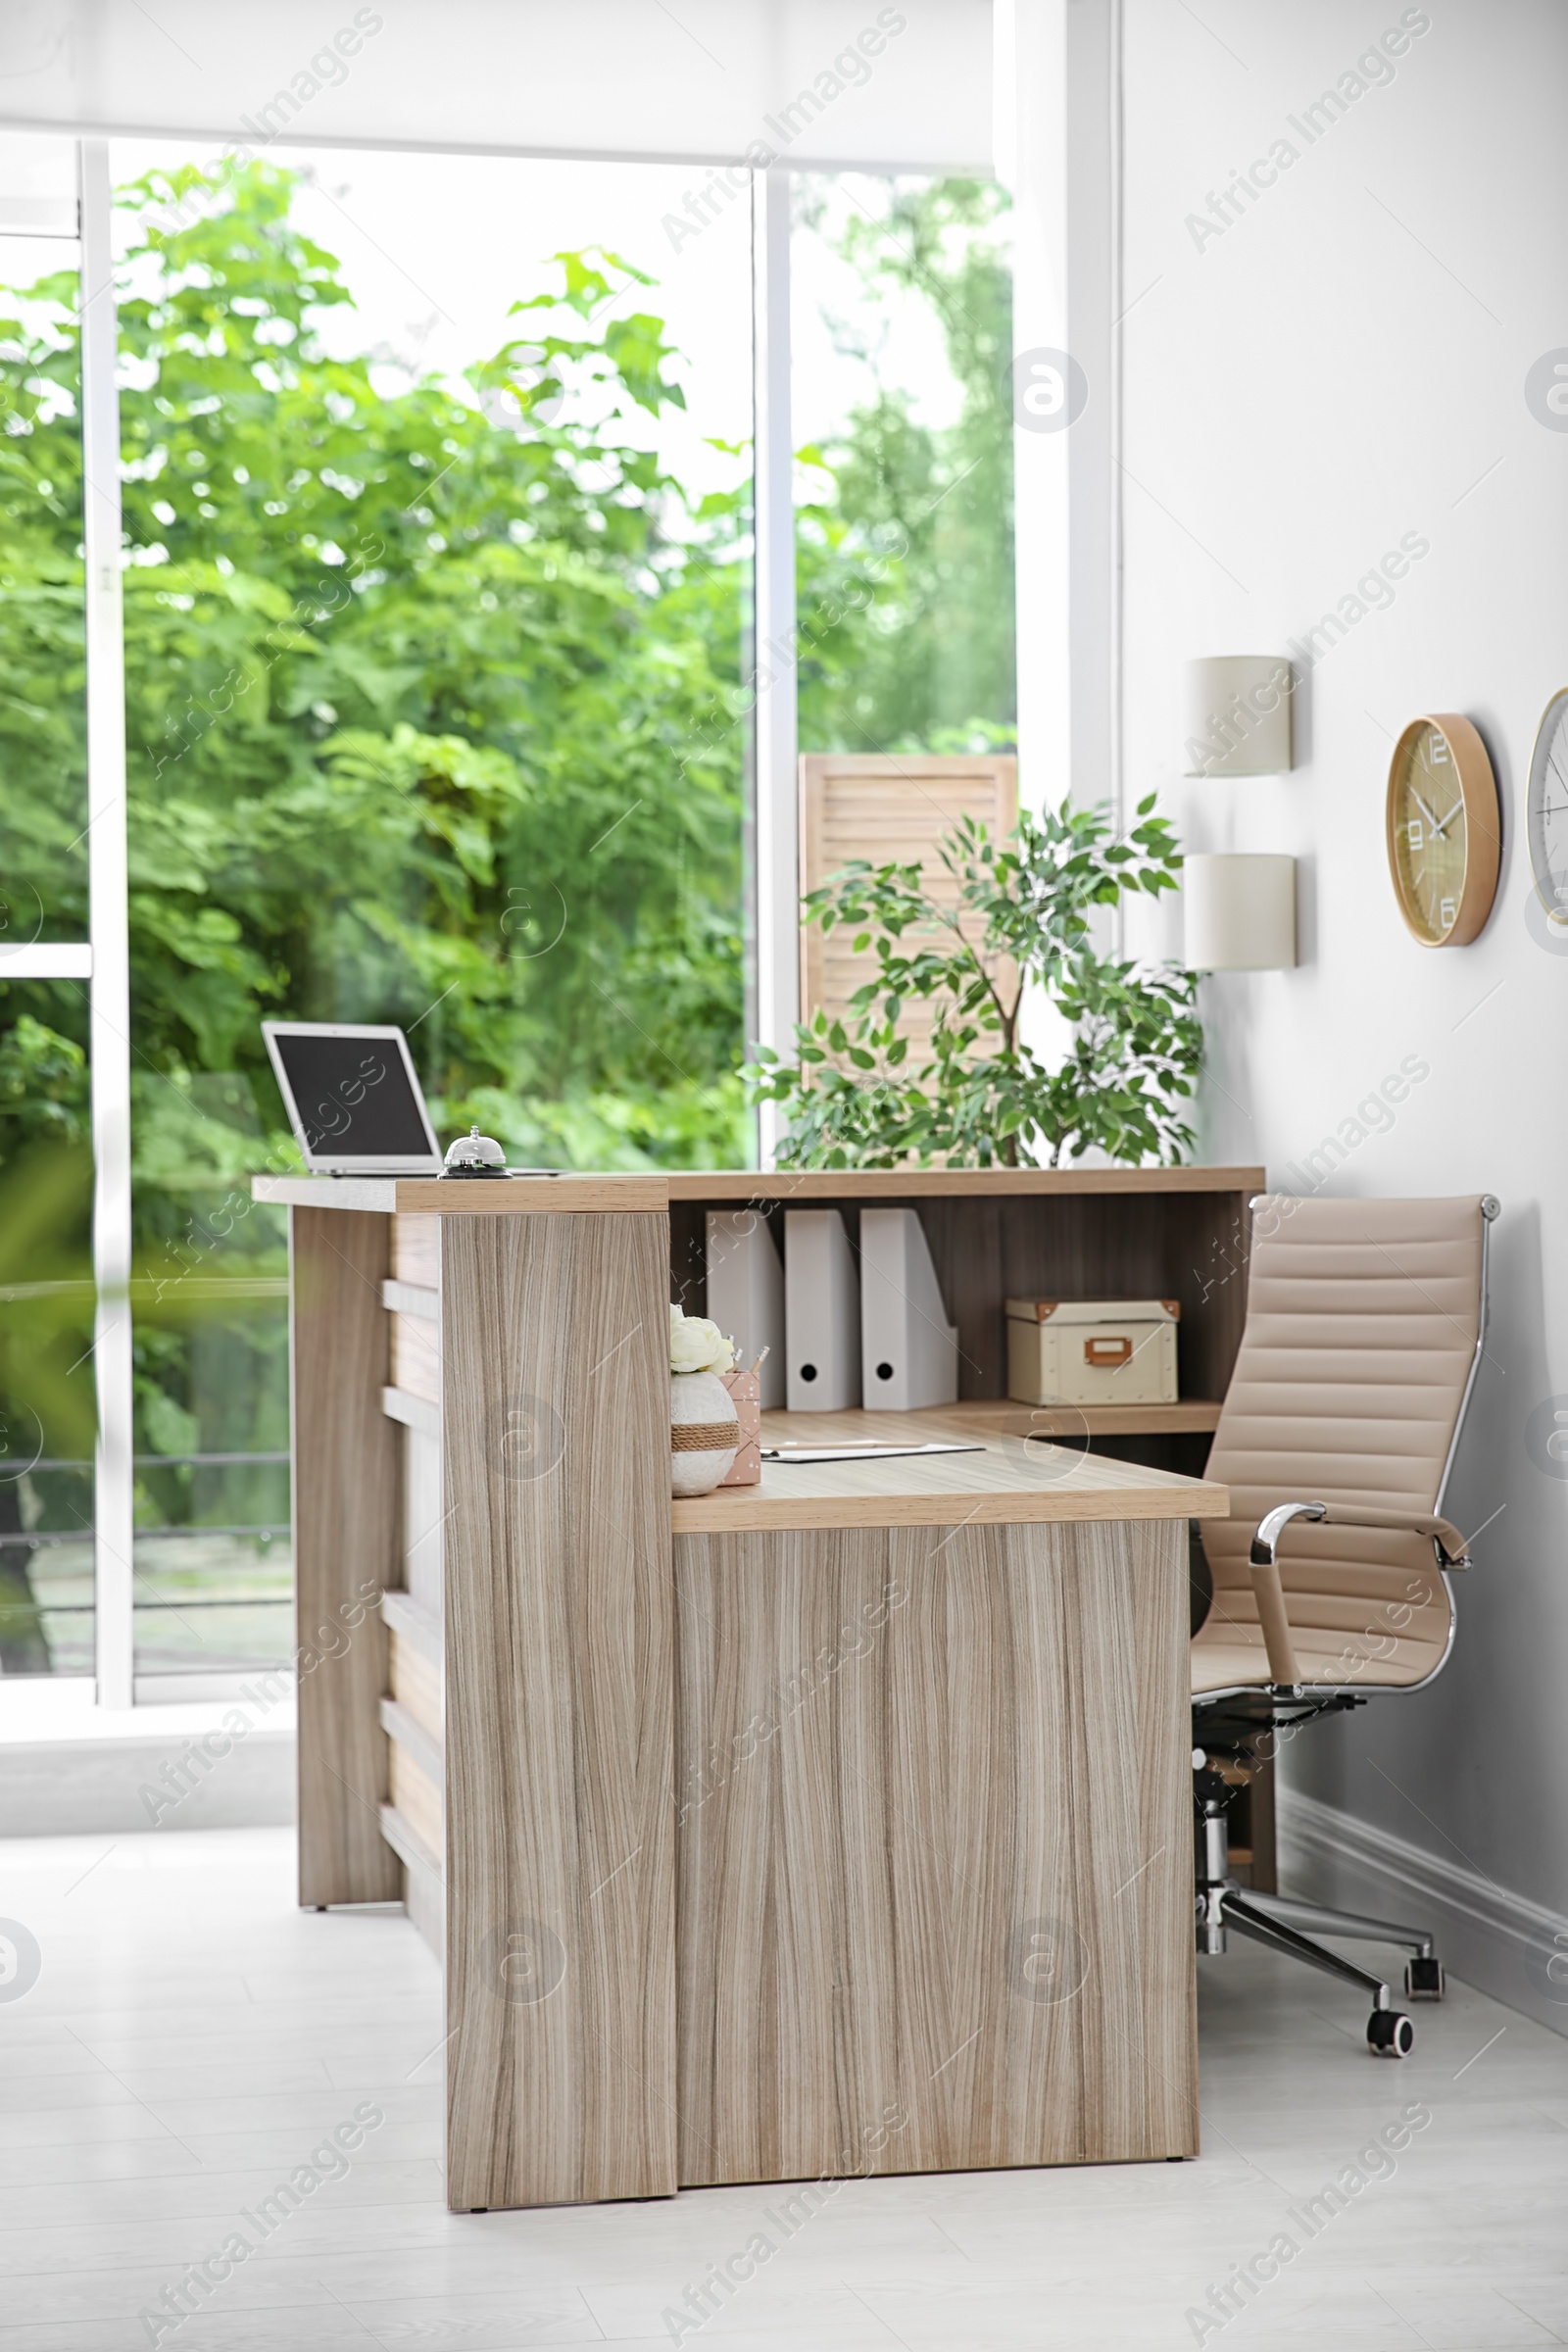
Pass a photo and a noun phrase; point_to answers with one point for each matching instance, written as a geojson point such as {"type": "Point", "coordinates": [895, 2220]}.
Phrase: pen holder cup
{"type": "Point", "coordinates": [746, 1392]}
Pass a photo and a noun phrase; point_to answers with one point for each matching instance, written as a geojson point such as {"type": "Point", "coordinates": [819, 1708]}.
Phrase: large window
{"type": "Point", "coordinates": [47, 1420]}
{"type": "Point", "coordinates": [43, 763]}
{"type": "Point", "coordinates": [436, 514]}
{"type": "Point", "coordinates": [435, 572]}
{"type": "Point", "coordinates": [901, 337]}
{"type": "Point", "coordinates": [437, 565]}
{"type": "Point", "coordinates": [47, 1417]}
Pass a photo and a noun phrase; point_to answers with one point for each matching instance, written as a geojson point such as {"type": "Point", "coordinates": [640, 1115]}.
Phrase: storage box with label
{"type": "Point", "coordinates": [1092, 1351]}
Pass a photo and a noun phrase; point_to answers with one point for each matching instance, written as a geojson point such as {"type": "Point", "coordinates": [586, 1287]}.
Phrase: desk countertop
{"type": "Point", "coordinates": [577, 1193]}
{"type": "Point", "coordinates": [1012, 1479]}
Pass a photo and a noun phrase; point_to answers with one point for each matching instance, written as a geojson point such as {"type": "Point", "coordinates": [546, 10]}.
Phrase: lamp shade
{"type": "Point", "coordinates": [1239, 715]}
{"type": "Point", "coordinates": [1240, 913]}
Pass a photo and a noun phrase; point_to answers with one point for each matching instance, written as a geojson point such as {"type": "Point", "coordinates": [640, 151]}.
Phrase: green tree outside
{"type": "Point", "coordinates": [916, 519]}
{"type": "Point", "coordinates": [435, 716]}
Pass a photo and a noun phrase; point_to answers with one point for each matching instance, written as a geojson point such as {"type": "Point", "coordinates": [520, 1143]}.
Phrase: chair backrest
{"type": "Point", "coordinates": [1363, 1325]}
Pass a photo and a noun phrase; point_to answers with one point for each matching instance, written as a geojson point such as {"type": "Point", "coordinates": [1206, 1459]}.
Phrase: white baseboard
{"type": "Point", "coordinates": [1499, 1941]}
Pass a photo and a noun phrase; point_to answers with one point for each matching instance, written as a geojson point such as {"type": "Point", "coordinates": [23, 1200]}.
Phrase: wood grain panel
{"type": "Point", "coordinates": [417, 1797]}
{"type": "Point", "coordinates": [688, 1257]}
{"type": "Point", "coordinates": [347, 1543]}
{"type": "Point", "coordinates": [997, 1417]}
{"type": "Point", "coordinates": [411, 1297]}
{"type": "Point", "coordinates": [416, 1682]}
{"type": "Point", "coordinates": [423, 1518]}
{"type": "Point", "coordinates": [1070, 1422]}
{"type": "Point", "coordinates": [934, 1902]}
{"type": "Point", "coordinates": [425, 1890]}
{"type": "Point", "coordinates": [434, 1196]}
{"type": "Point", "coordinates": [1208, 1247]}
{"type": "Point", "coordinates": [621, 1196]}
{"type": "Point", "coordinates": [1068, 1245]}
{"type": "Point", "coordinates": [416, 1249]}
{"type": "Point", "coordinates": [414, 1412]}
{"type": "Point", "coordinates": [560, 1697]}
{"type": "Point", "coordinates": [889, 810]}
{"type": "Point", "coordinates": [724, 1188]}
{"type": "Point", "coordinates": [569, 1196]}
{"type": "Point", "coordinates": [416, 1357]}
{"type": "Point", "coordinates": [1004, 1480]}
{"type": "Point", "coordinates": [418, 1626]}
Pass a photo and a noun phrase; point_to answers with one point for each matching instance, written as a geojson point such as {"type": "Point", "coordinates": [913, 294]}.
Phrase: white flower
{"type": "Point", "coordinates": [698, 1345]}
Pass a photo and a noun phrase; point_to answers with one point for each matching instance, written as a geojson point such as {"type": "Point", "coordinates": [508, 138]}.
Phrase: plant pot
{"type": "Point", "coordinates": [704, 1431]}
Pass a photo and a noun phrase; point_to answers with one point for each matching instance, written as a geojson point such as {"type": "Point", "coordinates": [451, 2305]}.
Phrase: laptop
{"type": "Point", "coordinates": [353, 1099]}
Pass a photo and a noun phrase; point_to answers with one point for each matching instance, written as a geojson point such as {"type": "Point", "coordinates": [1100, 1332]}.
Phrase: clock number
{"type": "Point", "coordinates": [1447, 913]}
{"type": "Point", "coordinates": [1414, 834]}
{"type": "Point", "coordinates": [1437, 751]}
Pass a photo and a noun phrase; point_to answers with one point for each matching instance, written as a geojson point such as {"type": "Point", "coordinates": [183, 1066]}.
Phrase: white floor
{"type": "Point", "coordinates": [192, 2038]}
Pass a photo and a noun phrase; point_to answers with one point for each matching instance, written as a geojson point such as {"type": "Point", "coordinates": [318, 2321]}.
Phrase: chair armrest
{"type": "Point", "coordinates": [1269, 1593]}
{"type": "Point", "coordinates": [1452, 1547]}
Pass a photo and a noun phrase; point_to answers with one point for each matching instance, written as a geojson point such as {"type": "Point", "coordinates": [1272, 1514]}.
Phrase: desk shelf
{"type": "Point", "coordinates": [1011, 1483]}
{"type": "Point", "coordinates": [1031, 1233]}
{"type": "Point", "coordinates": [1002, 1417]}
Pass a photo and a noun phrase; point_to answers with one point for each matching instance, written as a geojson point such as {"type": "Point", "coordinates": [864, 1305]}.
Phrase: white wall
{"type": "Point", "coordinates": [1343, 366]}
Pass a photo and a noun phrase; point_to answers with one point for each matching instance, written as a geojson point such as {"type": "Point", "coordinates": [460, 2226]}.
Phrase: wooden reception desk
{"type": "Point", "coordinates": [836, 1825]}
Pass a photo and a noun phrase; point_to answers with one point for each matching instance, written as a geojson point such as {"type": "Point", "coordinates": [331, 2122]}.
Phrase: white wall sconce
{"type": "Point", "coordinates": [1239, 913]}
{"type": "Point", "coordinates": [1239, 715]}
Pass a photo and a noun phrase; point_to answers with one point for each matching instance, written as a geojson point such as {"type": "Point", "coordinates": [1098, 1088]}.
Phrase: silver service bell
{"type": "Point", "coordinates": [476, 1155]}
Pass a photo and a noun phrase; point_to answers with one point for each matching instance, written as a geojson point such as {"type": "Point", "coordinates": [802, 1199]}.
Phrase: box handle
{"type": "Point", "coordinates": [1107, 1354]}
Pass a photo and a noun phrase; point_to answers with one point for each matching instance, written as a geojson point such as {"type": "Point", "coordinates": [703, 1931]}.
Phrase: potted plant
{"type": "Point", "coordinates": [984, 1098]}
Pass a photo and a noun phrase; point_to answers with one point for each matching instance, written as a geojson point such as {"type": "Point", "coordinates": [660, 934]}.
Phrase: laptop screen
{"type": "Point", "coordinates": [352, 1095]}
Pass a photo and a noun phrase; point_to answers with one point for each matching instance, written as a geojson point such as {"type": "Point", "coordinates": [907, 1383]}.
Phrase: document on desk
{"type": "Point", "coordinates": [863, 1453]}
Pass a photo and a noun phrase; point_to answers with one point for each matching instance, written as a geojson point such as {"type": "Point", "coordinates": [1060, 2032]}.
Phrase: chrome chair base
{"type": "Point", "coordinates": [1279, 1921]}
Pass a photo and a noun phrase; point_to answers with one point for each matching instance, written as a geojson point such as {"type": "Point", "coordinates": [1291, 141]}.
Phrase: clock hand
{"type": "Point", "coordinates": [1439, 826]}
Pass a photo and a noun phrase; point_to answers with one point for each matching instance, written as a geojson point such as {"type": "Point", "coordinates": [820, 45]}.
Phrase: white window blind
{"type": "Point", "coordinates": [836, 82]}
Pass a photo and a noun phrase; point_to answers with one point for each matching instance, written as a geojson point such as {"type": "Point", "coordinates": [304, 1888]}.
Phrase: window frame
{"type": "Point", "coordinates": [103, 960]}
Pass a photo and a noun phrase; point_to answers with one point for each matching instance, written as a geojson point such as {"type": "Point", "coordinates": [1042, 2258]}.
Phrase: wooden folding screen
{"type": "Point", "coordinates": [888, 809]}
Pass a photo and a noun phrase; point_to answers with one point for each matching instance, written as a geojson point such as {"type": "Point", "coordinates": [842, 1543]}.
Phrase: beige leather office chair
{"type": "Point", "coordinates": [1365, 1330]}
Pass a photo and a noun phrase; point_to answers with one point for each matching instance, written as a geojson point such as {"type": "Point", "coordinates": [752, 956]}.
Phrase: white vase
{"type": "Point", "coordinates": [704, 1435]}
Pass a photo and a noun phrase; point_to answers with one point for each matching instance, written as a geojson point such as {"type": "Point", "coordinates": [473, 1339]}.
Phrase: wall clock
{"type": "Point", "coordinates": [1444, 830]}
{"type": "Point", "coordinates": [1547, 808]}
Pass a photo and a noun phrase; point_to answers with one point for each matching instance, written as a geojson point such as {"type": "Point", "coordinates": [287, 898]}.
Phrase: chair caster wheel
{"type": "Point", "coordinates": [1388, 2034]}
{"type": "Point", "coordinates": [1423, 1981]}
